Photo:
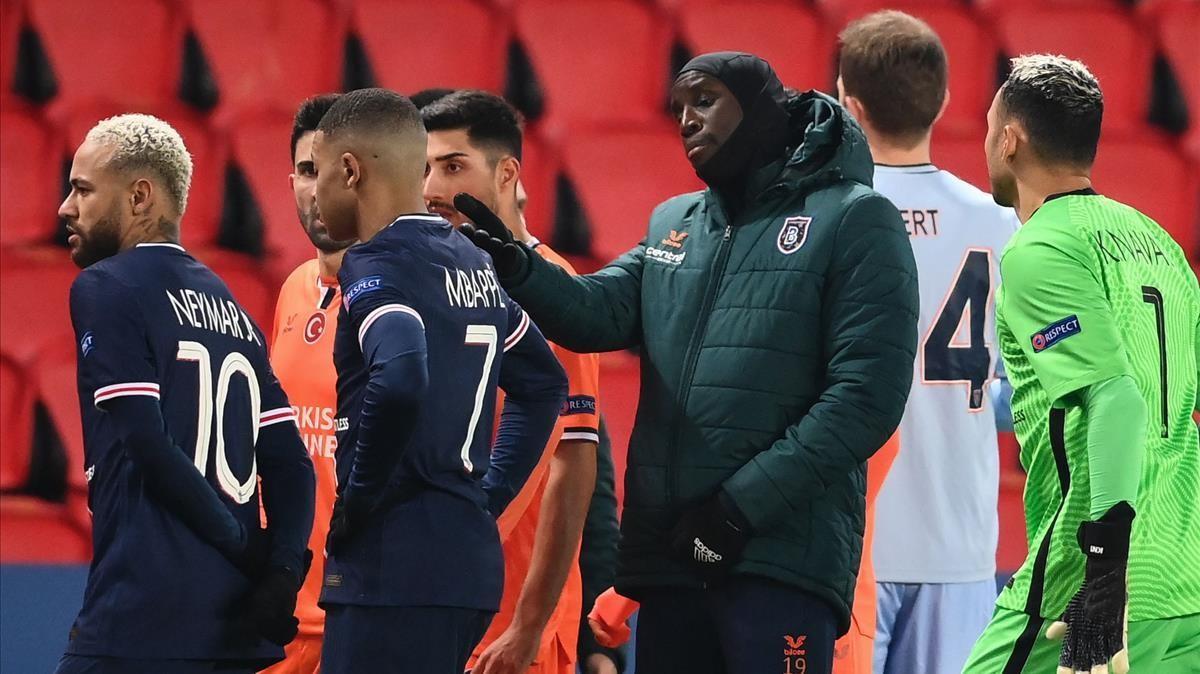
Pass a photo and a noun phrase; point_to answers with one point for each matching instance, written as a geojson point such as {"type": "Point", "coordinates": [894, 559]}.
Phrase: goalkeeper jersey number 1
{"type": "Point", "coordinates": [1092, 289]}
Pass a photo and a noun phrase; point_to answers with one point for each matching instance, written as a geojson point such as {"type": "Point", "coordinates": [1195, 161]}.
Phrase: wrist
{"type": "Point", "coordinates": [1107, 538]}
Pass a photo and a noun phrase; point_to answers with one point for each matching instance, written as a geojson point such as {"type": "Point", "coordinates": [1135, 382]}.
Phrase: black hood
{"type": "Point", "coordinates": [762, 135]}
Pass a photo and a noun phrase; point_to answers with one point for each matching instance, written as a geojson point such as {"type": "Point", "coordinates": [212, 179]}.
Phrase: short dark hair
{"type": "Point", "coordinates": [309, 116]}
{"type": "Point", "coordinates": [1060, 104]}
{"type": "Point", "coordinates": [426, 96]}
{"type": "Point", "coordinates": [488, 119]}
{"type": "Point", "coordinates": [370, 110]}
{"type": "Point", "coordinates": [896, 66]}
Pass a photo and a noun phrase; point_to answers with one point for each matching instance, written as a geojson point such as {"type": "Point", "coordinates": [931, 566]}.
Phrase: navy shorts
{"type": "Point", "coordinates": [745, 625]}
{"type": "Point", "coordinates": [400, 639]}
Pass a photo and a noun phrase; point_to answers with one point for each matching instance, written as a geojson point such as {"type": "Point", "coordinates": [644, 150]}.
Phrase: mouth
{"type": "Point", "coordinates": [694, 151]}
{"type": "Point", "coordinates": [445, 211]}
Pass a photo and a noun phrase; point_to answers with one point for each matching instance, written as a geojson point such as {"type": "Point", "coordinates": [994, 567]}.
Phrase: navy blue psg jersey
{"type": "Point", "coordinates": [152, 321]}
{"type": "Point", "coordinates": [431, 540]}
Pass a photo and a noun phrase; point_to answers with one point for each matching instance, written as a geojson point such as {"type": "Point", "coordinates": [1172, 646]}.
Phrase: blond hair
{"type": "Point", "coordinates": [147, 143]}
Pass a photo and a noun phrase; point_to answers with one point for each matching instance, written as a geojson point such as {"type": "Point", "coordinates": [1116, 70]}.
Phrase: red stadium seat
{"type": "Point", "coordinates": [34, 294]}
{"type": "Point", "coordinates": [202, 219]}
{"type": "Point", "coordinates": [16, 428]}
{"type": "Point", "coordinates": [127, 50]}
{"type": "Point", "coordinates": [1153, 178]}
{"type": "Point", "coordinates": [598, 61]}
{"type": "Point", "coordinates": [40, 532]}
{"type": "Point", "coordinates": [1121, 59]}
{"type": "Point", "coordinates": [801, 54]}
{"type": "Point", "coordinates": [10, 28]}
{"type": "Point", "coordinates": [1179, 33]}
{"type": "Point", "coordinates": [539, 171]}
{"type": "Point", "coordinates": [268, 52]}
{"type": "Point", "coordinates": [963, 156]}
{"type": "Point", "coordinates": [53, 375]}
{"type": "Point", "coordinates": [259, 148]}
{"type": "Point", "coordinates": [246, 281]}
{"type": "Point", "coordinates": [620, 176]}
{"type": "Point", "coordinates": [970, 49]}
{"type": "Point", "coordinates": [998, 6]}
{"type": "Point", "coordinates": [29, 178]}
{"type": "Point", "coordinates": [414, 45]}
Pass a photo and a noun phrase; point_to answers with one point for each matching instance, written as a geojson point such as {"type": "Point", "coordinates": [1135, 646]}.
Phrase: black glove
{"type": "Point", "coordinates": [252, 559]}
{"type": "Point", "coordinates": [490, 234]}
{"type": "Point", "coordinates": [269, 610]}
{"type": "Point", "coordinates": [346, 520]}
{"type": "Point", "coordinates": [1094, 622]}
{"type": "Point", "coordinates": [711, 537]}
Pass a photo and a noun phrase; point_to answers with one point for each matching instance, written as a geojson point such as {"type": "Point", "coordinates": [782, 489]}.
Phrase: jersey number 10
{"type": "Point", "coordinates": [943, 360]}
{"type": "Point", "coordinates": [235, 363]}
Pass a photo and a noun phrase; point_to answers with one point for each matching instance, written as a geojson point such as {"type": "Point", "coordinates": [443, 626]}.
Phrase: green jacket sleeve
{"type": "Point", "coordinates": [586, 314]}
{"type": "Point", "coordinates": [869, 331]}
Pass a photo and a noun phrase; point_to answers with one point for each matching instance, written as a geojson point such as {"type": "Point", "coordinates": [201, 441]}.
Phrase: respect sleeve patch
{"type": "Point", "coordinates": [361, 287]}
{"type": "Point", "coordinates": [1054, 333]}
{"type": "Point", "coordinates": [578, 405]}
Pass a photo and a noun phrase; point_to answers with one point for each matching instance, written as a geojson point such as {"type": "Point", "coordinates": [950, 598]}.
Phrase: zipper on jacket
{"type": "Point", "coordinates": [693, 355]}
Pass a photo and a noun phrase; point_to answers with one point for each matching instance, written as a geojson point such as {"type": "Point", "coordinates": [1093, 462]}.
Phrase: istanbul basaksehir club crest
{"type": "Point", "coordinates": [793, 234]}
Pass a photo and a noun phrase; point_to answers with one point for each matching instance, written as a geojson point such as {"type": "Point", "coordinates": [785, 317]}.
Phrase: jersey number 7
{"type": "Point", "coordinates": [945, 361]}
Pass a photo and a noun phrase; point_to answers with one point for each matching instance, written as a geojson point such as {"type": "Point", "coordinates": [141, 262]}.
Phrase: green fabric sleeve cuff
{"type": "Point", "coordinates": [1116, 441]}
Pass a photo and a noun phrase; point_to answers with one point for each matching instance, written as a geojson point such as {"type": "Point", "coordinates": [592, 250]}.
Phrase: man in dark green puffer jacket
{"type": "Point", "coordinates": [776, 316]}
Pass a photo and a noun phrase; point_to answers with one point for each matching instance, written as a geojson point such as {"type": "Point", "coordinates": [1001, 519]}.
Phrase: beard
{"type": "Point", "coordinates": [102, 240]}
{"type": "Point", "coordinates": [318, 234]}
{"type": "Point", "coordinates": [1004, 190]}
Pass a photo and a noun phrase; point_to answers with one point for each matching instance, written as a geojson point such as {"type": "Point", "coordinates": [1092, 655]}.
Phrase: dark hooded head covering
{"type": "Point", "coordinates": [762, 135]}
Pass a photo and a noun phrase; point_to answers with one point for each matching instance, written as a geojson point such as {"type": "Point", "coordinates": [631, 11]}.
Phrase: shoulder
{"type": "Point", "coordinates": [302, 276]}
{"type": "Point", "coordinates": [107, 278]}
{"type": "Point", "coordinates": [676, 207]}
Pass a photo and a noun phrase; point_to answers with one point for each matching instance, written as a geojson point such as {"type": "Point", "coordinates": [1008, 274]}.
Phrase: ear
{"type": "Point", "coordinates": [508, 172]}
{"type": "Point", "coordinates": [141, 196]}
{"type": "Point", "coordinates": [945, 104]}
{"type": "Point", "coordinates": [351, 171]}
{"type": "Point", "coordinates": [855, 108]}
{"type": "Point", "coordinates": [1011, 136]}
{"type": "Point", "coordinates": [292, 180]}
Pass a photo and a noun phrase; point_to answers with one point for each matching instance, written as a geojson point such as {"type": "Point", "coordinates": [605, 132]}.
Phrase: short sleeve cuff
{"type": "Point", "coordinates": [105, 393]}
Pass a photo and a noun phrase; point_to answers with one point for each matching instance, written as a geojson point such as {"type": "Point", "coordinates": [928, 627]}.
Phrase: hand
{"type": "Point", "coordinates": [252, 559]}
{"type": "Point", "coordinates": [269, 610]}
{"type": "Point", "coordinates": [490, 234]}
{"type": "Point", "coordinates": [1095, 623]}
{"type": "Point", "coordinates": [711, 537]}
{"type": "Point", "coordinates": [512, 653]}
{"type": "Point", "coordinates": [599, 663]}
{"type": "Point", "coordinates": [609, 618]}
{"type": "Point", "coordinates": [342, 526]}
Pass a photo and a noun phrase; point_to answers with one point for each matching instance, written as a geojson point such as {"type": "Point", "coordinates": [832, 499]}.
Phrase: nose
{"type": "Point", "coordinates": [689, 122]}
{"type": "Point", "coordinates": [67, 208]}
{"type": "Point", "coordinates": [433, 189]}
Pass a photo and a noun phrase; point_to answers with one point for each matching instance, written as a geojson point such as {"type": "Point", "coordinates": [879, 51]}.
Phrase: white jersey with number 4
{"type": "Point", "coordinates": [935, 517]}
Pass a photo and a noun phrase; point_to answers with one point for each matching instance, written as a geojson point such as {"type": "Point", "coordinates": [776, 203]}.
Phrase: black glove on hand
{"type": "Point", "coordinates": [490, 234]}
{"type": "Point", "coordinates": [269, 610]}
{"type": "Point", "coordinates": [252, 560]}
{"type": "Point", "coordinates": [1094, 622]}
{"type": "Point", "coordinates": [346, 520]}
{"type": "Point", "coordinates": [711, 537]}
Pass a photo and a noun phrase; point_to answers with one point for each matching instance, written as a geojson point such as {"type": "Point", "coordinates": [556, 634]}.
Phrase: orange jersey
{"type": "Point", "coordinates": [580, 420]}
{"type": "Point", "coordinates": [854, 651]}
{"type": "Point", "coordinates": [302, 357]}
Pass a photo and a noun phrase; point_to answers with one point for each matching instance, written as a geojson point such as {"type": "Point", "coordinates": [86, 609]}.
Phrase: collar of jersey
{"type": "Point", "coordinates": [421, 218]}
{"type": "Point", "coordinates": [907, 168]}
{"type": "Point", "coordinates": [161, 245]}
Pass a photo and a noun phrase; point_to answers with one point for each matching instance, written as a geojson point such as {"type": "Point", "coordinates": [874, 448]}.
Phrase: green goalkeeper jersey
{"type": "Point", "coordinates": [1092, 289]}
